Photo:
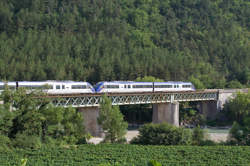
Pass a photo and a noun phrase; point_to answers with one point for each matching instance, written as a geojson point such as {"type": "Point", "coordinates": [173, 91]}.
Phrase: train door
{"type": "Point", "coordinates": [177, 86]}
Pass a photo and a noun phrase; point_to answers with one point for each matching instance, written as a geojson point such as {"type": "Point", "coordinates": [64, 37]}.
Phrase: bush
{"type": "Point", "coordinates": [208, 143]}
{"type": "Point", "coordinates": [27, 141]}
{"type": "Point", "coordinates": [5, 142]}
{"type": "Point", "coordinates": [239, 134]}
{"type": "Point", "coordinates": [163, 134]}
{"type": "Point", "coordinates": [198, 136]}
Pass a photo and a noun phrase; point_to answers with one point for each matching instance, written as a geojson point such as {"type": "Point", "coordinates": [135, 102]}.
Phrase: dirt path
{"type": "Point", "coordinates": [217, 137]}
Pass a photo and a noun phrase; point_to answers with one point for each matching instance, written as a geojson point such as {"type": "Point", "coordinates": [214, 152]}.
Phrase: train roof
{"type": "Point", "coordinates": [134, 82]}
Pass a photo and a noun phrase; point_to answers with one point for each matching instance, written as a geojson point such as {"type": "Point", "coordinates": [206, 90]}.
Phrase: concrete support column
{"type": "Point", "coordinates": [166, 112]}
{"type": "Point", "coordinates": [90, 115]}
{"type": "Point", "coordinates": [209, 109]}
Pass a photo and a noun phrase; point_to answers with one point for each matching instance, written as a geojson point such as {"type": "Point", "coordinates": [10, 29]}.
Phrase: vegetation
{"type": "Point", "coordinates": [166, 134]}
{"type": "Point", "coordinates": [163, 134]}
{"type": "Point", "coordinates": [111, 121]}
{"type": "Point", "coordinates": [191, 117]}
{"type": "Point", "coordinates": [204, 41]}
{"type": "Point", "coordinates": [27, 121]}
{"type": "Point", "coordinates": [238, 110]}
{"type": "Point", "coordinates": [127, 155]}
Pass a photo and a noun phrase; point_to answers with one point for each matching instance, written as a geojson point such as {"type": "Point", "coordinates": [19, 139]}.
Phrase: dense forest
{"type": "Point", "coordinates": [204, 41]}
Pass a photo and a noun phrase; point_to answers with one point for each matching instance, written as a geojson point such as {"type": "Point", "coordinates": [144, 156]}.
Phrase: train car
{"type": "Point", "coordinates": [123, 87]}
{"type": "Point", "coordinates": [133, 87]}
{"type": "Point", "coordinates": [58, 87]}
{"type": "Point", "coordinates": [173, 86]}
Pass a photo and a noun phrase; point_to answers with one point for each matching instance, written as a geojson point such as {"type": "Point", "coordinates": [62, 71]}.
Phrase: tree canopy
{"type": "Point", "coordinates": [29, 121]}
{"type": "Point", "coordinates": [96, 40]}
{"type": "Point", "coordinates": [111, 121]}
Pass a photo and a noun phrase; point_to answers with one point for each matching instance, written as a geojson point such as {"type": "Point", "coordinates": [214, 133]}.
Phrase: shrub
{"type": "Point", "coordinates": [239, 134]}
{"type": "Point", "coordinates": [5, 142]}
{"type": "Point", "coordinates": [27, 141]}
{"type": "Point", "coordinates": [198, 136]}
{"type": "Point", "coordinates": [163, 134]}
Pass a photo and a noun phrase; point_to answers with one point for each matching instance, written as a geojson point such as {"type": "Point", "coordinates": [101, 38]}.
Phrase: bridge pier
{"type": "Point", "coordinates": [209, 109]}
{"type": "Point", "coordinates": [166, 112]}
{"type": "Point", "coordinates": [90, 115]}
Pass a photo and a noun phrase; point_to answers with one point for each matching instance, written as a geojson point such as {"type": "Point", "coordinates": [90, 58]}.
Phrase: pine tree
{"type": "Point", "coordinates": [111, 120]}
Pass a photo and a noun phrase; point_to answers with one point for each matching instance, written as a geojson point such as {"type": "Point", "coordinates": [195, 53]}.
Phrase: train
{"type": "Point", "coordinates": [51, 87]}
{"type": "Point", "coordinates": [73, 87]}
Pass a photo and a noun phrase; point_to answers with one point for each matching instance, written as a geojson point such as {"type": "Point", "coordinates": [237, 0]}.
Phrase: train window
{"type": "Point", "coordinates": [48, 86]}
{"type": "Point", "coordinates": [57, 86]}
{"type": "Point", "coordinates": [125, 86]}
{"type": "Point", "coordinates": [33, 86]}
{"type": "Point", "coordinates": [112, 86]}
{"type": "Point", "coordinates": [78, 87]}
{"type": "Point", "coordinates": [163, 86]}
{"type": "Point", "coordinates": [63, 86]}
{"type": "Point", "coordinates": [128, 86]}
{"type": "Point", "coordinates": [142, 86]}
{"type": "Point", "coordinates": [186, 86]}
{"type": "Point", "coordinates": [1, 87]}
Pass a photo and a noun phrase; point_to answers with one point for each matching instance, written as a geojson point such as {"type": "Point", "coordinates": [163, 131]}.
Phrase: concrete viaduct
{"type": "Point", "coordinates": [165, 104]}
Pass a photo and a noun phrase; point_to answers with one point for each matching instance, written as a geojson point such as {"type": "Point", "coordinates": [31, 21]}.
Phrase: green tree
{"type": "Point", "coordinates": [197, 83]}
{"type": "Point", "coordinates": [239, 107]}
{"type": "Point", "coordinates": [234, 84]}
{"type": "Point", "coordinates": [148, 79]}
{"type": "Point", "coordinates": [111, 120]}
{"type": "Point", "coordinates": [29, 114]}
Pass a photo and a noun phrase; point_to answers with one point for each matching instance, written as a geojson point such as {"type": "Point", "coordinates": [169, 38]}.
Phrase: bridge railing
{"type": "Point", "coordinates": [93, 100]}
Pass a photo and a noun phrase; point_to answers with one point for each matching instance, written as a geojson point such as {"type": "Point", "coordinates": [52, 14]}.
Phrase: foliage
{"type": "Point", "coordinates": [162, 134]}
{"type": "Point", "coordinates": [198, 136]}
{"type": "Point", "coordinates": [204, 41]}
{"type": "Point", "coordinates": [238, 110]}
{"type": "Point", "coordinates": [197, 83]}
{"type": "Point", "coordinates": [148, 79]}
{"type": "Point", "coordinates": [28, 119]}
{"type": "Point", "coordinates": [6, 120]}
{"type": "Point", "coordinates": [5, 142]}
{"type": "Point", "coordinates": [128, 155]}
{"type": "Point", "coordinates": [240, 134]}
{"type": "Point", "coordinates": [27, 141]}
{"type": "Point", "coordinates": [111, 120]}
{"type": "Point", "coordinates": [191, 117]}
{"type": "Point", "coordinates": [239, 107]}
{"type": "Point", "coordinates": [154, 163]}
{"type": "Point", "coordinates": [234, 84]}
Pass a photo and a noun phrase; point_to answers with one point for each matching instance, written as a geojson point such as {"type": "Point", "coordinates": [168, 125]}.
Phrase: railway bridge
{"type": "Point", "coordinates": [165, 104]}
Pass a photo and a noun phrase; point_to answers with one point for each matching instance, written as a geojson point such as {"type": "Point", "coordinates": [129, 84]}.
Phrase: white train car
{"type": "Point", "coordinates": [130, 87]}
{"type": "Point", "coordinates": [123, 87]}
{"type": "Point", "coordinates": [173, 86]}
{"type": "Point", "coordinates": [58, 87]}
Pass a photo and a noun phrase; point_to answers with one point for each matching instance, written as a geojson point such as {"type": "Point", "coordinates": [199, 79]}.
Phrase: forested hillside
{"type": "Point", "coordinates": [207, 41]}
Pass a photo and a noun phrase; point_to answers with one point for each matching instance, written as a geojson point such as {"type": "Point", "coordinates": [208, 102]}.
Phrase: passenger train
{"type": "Point", "coordinates": [133, 87]}
{"type": "Point", "coordinates": [72, 87]}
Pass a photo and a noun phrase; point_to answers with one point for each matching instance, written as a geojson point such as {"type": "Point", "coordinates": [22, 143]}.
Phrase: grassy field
{"type": "Point", "coordinates": [129, 155]}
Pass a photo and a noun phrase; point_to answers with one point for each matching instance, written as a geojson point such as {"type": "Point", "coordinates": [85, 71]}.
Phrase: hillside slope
{"type": "Point", "coordinates": [205, 41]}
